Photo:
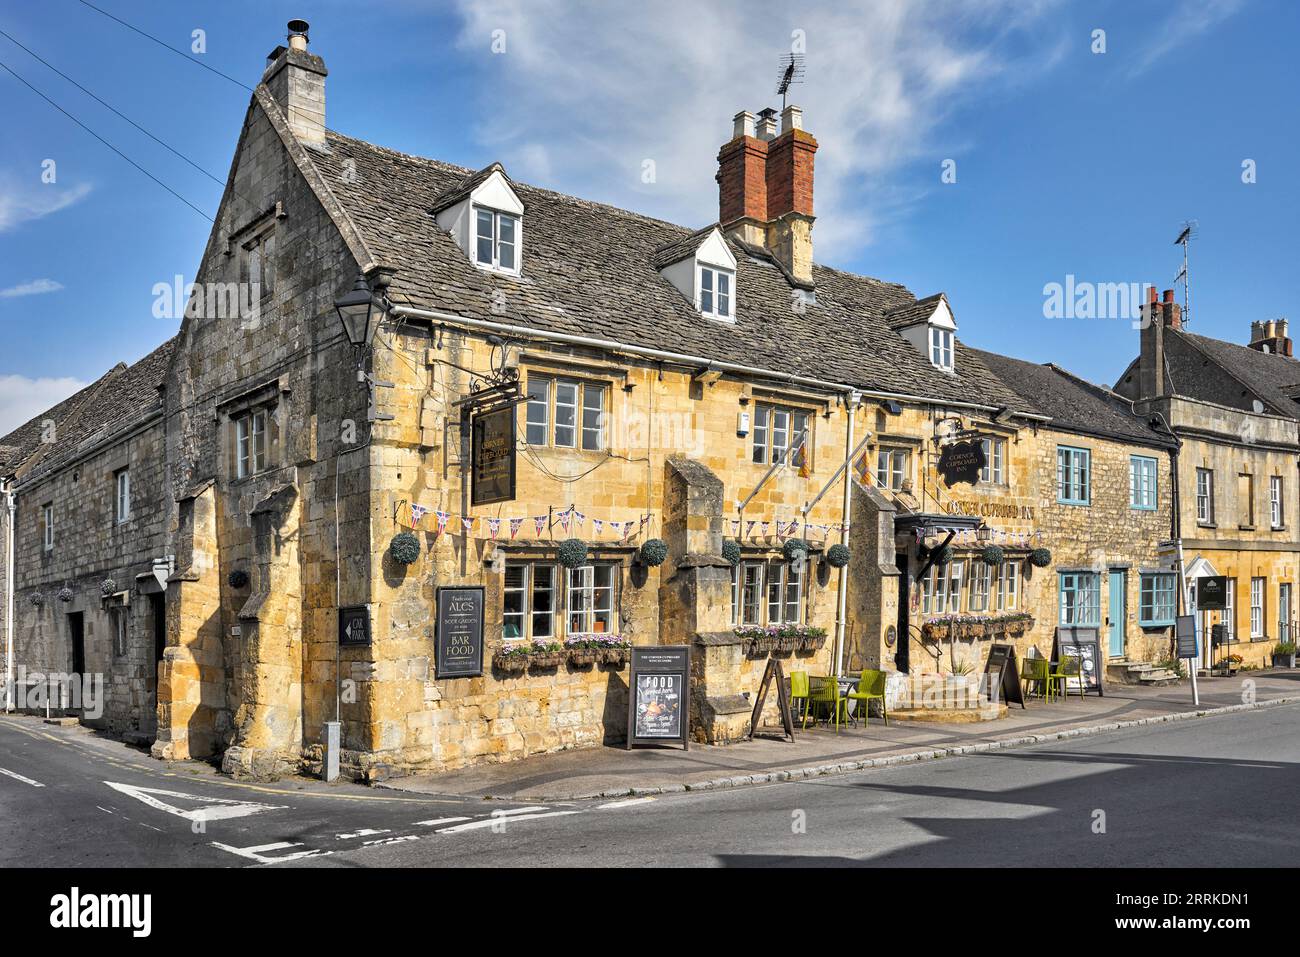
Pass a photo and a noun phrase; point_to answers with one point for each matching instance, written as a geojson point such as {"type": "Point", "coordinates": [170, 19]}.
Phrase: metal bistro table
{"type": "Point", "coordinates": [846, 684]}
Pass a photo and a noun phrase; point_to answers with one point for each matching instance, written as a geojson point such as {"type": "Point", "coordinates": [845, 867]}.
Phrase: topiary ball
{"type": "Point", "coordinates": [653, 552]}
{"type": "Point", "coordinates": [793, 547]}
{"type": "Point", "coordinates": [838, 555]}
{"type": "Point", "coordinates": [572, 553]}
{"type": "Point", "coordinates": [1040, 557]}
{"type": "Point", "coordinates": [405, 548]}
{"type": "Point", "coordinates": [993, 555]}
{"type": "Point", "coordinates": [731, 551]}
{"type": "Point", "coordinates": [238, 578]}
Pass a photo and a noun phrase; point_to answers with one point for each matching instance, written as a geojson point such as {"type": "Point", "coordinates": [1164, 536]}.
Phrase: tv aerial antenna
{"type": "Point", "coordinates": [792, 70]}
{"type": "Point", "coordinates": [1190, 230]}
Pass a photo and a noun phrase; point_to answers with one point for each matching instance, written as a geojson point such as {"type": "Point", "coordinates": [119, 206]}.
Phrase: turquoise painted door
{"type": "Point", "coordinates": [1117, 611]}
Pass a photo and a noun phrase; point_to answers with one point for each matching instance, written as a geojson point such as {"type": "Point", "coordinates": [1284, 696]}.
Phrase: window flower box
{"type": "Point", "coordinates": [975, 626]}
{"type": "Point", "coordinates": [785, 639]}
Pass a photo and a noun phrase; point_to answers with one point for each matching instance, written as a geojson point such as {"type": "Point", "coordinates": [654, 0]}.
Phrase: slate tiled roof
{"type": "Point", "coordinates": [679, 249]}
{"type": "Point", "coordinates": [1273, 378]}
{"type": "Point", "coordinates": [123, 397]}
{"type": "Point", "coordinates": [900, 317]}
{"type": "Point", "coordinates": [590, 269]}
{"type": "Point", "coordinates": [466, 186]}
{"type": "Point", "coordinates": [1073, 404]}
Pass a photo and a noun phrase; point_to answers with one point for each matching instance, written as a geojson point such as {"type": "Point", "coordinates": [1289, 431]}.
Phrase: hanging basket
{"type": "Point", "coordinates": [65, 594]}
{"type": "Point", "coordinates": [572, 553]}
{"type": "Point", "coordinates": [838, 555]}
{"type": "Point", "coordinates": [405, 548]}
{"type": "Point", "coordinates": [653, 552]}
{"type": "Point", "coordinates": [37, 599]}
{"type": "Point", "coordinates": [1040, 557]}
{"type": "Point", "coordinates": [107, 587]}
{"type": "Point", "coordinates": [731, 552]}
{"type": "Point", "coordinates": [238, 579]}
{"type": "Point", "coordinates": [793, 548]}
{"type": "Point", "coordinates": [993, 555]}
{"type": "Point", "coordinates": [944, 555]}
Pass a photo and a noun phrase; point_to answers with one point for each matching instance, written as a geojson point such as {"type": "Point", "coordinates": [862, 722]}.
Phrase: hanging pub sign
{"type": "Point", "coordinates": [1002, 675]}
{"type": "Point", "coordinates": [354, 625]}
{"type": "Point", "coordinates": [493, 457]}
{"type": "Point", "coordinates": [962, 462]}
{"type": "Point", "coordinates": [1084, 644]}
{"type": "Point", "coordinates": [1212, 593]}
{"type": "Point", "coordinates": [459, 639]}
{"type": "Point", "coordinates": [658, 710]}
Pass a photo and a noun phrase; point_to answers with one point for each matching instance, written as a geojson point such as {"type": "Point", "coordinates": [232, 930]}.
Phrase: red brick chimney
{"type": "Point", "coordinates": [1173, 313]}
{"type": "Point", "coordinates": [765, 186]}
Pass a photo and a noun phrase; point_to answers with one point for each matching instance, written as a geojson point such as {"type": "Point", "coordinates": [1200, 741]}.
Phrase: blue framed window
{"type": "Point", "coordinates": [1073, 475]}
{"type": "Point", "coordinates": [1159, 602]}
{"type": "Point", "coordinates": [1080, 598]}
{"type": "Point", "coordinates": [1142, 488]}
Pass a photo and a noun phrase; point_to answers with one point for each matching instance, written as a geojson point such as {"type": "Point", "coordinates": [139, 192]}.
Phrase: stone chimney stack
{"type": "Point", "coordinates": [765, 187]}
{"type": "Point", "coordinates": [1151, 362]}
{"type": "Point", "coordinates": [296, 80]}
{"type": "Point", "coordinates": [1272, 336]}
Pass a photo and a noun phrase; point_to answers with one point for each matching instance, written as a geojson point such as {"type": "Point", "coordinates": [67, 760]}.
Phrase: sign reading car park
{"type": "Point", "coordinates": [962, 462]}
{"type": "Point", "coordinates": [354, 625]}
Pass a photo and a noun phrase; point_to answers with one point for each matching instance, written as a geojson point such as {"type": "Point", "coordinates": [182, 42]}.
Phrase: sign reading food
{"type": "Point", "coordinates": [459, 645]}
{"type": "Point", "coordinates": [658, 706]}
{"type": "Point", "coordinates": [658, 709]}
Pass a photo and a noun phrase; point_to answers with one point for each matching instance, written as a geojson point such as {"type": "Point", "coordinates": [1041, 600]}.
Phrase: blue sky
{"type": "Point", "coordinates": [1068, 161]}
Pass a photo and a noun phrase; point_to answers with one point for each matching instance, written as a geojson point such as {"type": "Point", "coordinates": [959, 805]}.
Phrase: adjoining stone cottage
{"type": "Point", "coordinates": [714, 389]}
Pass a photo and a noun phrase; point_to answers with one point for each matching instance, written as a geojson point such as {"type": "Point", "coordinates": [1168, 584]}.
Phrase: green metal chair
{"type": "Point", "coordinates": [871, 687]}
{"type": "Point", "coordinates": [1068, 667]}
{"type": "Point", "coordinates": [1036, 670]}
{"type": "Point", "coordinates": [826, 691]}
{"type": "Point", "coordinates": [799, 692]}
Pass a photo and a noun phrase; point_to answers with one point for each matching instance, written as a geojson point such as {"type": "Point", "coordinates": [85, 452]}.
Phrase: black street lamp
{"type": "Point", "coordinates": [359, 311]}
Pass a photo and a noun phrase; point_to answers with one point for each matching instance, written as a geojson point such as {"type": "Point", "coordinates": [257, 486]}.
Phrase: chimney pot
{"type": "Point", "coordinates": [742, 124]}
{"type": "Point", "coordinates": [298, 34]}
{"type": "Point", "coordinates": [1153, 294]}
{"type": "Point", "coordinates": [767, 124]}
{"type": "Point", "coordinates": [296, 80]}
{"type": "Point", "coordinates": [791, 119]}
{"type": "Point", "coordinates": [1169, 295]}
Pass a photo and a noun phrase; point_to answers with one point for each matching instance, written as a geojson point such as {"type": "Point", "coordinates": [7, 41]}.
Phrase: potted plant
{"type": "Point", "coordinates": [1284, 654]}
{"type": "Point", "coordinates": [584, 650]}
{"type": "Point", "coordinates": [546, 654]}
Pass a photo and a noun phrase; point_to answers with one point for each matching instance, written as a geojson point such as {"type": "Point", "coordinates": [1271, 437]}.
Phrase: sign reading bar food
{"type": "Point", "coordinates": [459, 642]}
{"type": "Point", "coordinates": [658, 706]}
{"type": "Point", "coordinates": [962, 462]}
{"type": "Point", "coordinates": [493, 456]}
{"type": "Point", "coordinates": [1212, 593]}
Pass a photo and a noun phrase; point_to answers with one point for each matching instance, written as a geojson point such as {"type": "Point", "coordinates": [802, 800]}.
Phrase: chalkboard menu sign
{"type": "Point", "coordinates": [1084, 644]}
{"type": "Point", "coordinates": [1002, 676]}
{"type": "Point", "coordinates": [1212, 592]}
{"type": "Point", "coordinates": [493, 456]}
{"type": "Point", "coordinates": [459, 641]}
{"type": "Point", "coordinates": [658, 698]}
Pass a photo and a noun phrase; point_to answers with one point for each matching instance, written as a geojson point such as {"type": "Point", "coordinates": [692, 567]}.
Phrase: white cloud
{"type": "Point", "coordinates": [22, 200]}
{"type": "Point", "coordinates": [23, 398]}
{"type": "Point", "coordinates": [34, 288]}
{"type": "Point", "coordinates": [606, 87]}
{"type": "Point", "coordinates": [1186, 22]}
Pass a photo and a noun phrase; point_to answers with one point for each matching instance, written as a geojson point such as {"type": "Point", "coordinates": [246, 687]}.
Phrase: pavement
{"type": "Point", "coordinates": [1185, 786]}
{"type": "Point", "coordinates": [610, 772]}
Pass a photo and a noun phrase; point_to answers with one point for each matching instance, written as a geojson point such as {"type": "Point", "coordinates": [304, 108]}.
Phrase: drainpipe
{"type": "Point", "coordinates": [852, 401]}
{"type": "Point", "coordinates": [11, 504]}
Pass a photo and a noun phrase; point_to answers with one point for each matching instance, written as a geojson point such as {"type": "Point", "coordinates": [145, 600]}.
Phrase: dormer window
{"type": "Point", "coordinates": [715, 292]}
{"type": "Point", "coordinates": [496, 239]}
{"type": "Point", "coordinates": [941, 348]}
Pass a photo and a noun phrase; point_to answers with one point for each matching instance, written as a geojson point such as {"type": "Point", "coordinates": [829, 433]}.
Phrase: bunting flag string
{"type": "Point", "coordinates": [515, 524]}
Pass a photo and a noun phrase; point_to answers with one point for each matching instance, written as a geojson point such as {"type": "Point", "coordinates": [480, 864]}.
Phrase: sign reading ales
{"type": "Point", "coordinates": [459, 633]}
{"type": "Point", "coordinates": [493, 457]}
{"type": "Point", "coordinates": [962, 462]}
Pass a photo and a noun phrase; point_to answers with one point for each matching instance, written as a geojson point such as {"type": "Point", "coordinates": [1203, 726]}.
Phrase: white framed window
{"type": "Point", "coordinates": [1142, 489]}
{"type": "Point", "coordinates": [1276, 515]}
{"type": "Point", "coordinates": [941, 348]}
{"type": "Point", "coordinates": [1257, 608]}
{"type": "Point", "coordinates": [994, 472]}
{"type": "Point", "coordinates": [529, 601]}
{"type": "Point", "coordinates": [767, 593]}
{"type": "Point", "coordinates": [1080, 598]}
{"type": "Point", "coordinates": [592, 599]}
{"type": "Point", "coordinates": [251, 442]}
{"type": "Point", "coordinates": [716, 292]}
{"type": "Point", "coordinates": [776, 429]}
{"type": "Point", "coordinates": [566, 413]}
{"type": "Point", "coordinates": [1008, 586]}
{"type": "Point", "coordinates": [893, 468]}
{"type": "Point", "coordinates": [784, 594]}
{"type": "Point", "coordinates": [1230, 608]}
{"type": "Point", "coordinates": [941, 589]}
{"type": "Point", "coordinates": [1205, 496]}
{"type": "Point", "coordinates": [47, 526]}
{"type": "Point", "coordinates": [122, 496]}
{"type": "Point", "coordinates": [747, 594]}
{"type": "Point", "coordinates": [496, 239]}
{"type": "Point", "coordinates": [981, 577]}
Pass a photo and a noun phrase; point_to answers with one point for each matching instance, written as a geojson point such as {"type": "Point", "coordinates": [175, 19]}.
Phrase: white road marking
{"type": "Point", "coordinates": [104, 809]}
{"type": "Point", "coordinates": [364, 832]}
{"type": "Point", "coordinates": [628, 803]}
{"type": "Point", "coordinates": [493, 821]}
{"type": "Point", "coordinates": [440, 820]}
{"type": "Point", "coordinates": [214, 809]}
{"type": "Point", "coordinates": [518, 810]}
{"type": "Point", "coordinates": [256, 853]}
{"type": "Point", "coordinates": [19, 777]}
{"type": "Point", "coordinates": [401, 838]}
